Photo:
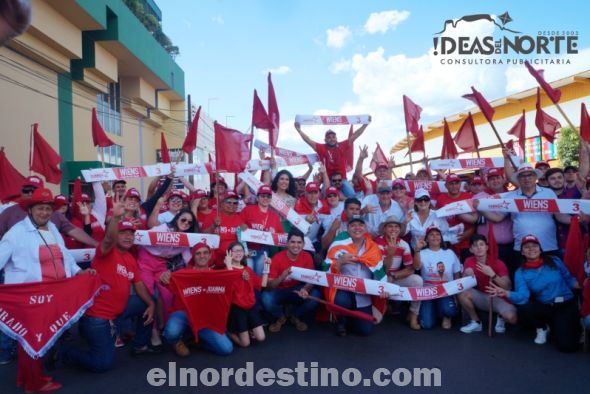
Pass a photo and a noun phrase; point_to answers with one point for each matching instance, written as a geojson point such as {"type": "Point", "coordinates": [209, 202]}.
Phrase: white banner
{"type": "Point", "coordinates": [543, 205]}
{"type": "Point", "coordinates": [82, 255]}
{"type": "Point", "coordinates": [328, 120]}
{"type": "Point", "coordinates": [256, 165]}
{"type": "Point", "coordinates": [186, 169]}
{"type": "Point", "coordinates": [433, 187]}
{"type": "Point", "coordinates": [157, 238]}
{"type": "Point", "coordinates": [375, 287]}
{"type": "Point", "coordinates": [312, 157]}
{"type": "Point", "coordinates": [268, 238]}
{"type": "Point", "coordinates": [484, 162]}
{"type": "Point", "coordinates": [110, 174]}
{"type": "Point", "coordinates": [277, 203]}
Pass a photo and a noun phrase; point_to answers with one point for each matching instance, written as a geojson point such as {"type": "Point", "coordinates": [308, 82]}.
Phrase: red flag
{"type": "Point", "coordinates": [492, 244]}
{"type": "Point", "coordinates": [10, 179]}
{"type": "Point", "coordinates": [510, 146]}
{"type": "Point", "coordinates": [554, 94]}
{"type": "Point", "coordinates": [273, 115]}
{"type": "Point", "coordinates": [99, 137]}
{"type": "Point", "coordinates": [342, 311]}
{"type": "Point", "coordinates": [485, 107]}
{"type": "Point", "coordinates": [449, 150]}
{"type": "Point", "coordinates": [519, 131]}
{"type": "Point", "coordinates": [190, 142]}
{"type": "Point", "coordinates": [585, 124]}
{"type": "Point", "coordinates": [378, 159]}
{"type": "Point", "coordinates": [350, 153]}
{"type": "Point", "coordinates": [259, 115]}
{"type": "Point", "coordinates": [164, 153]}
{"type": "Point", "coordinates": [418, 143]}
{"type": "Point", "coordinates": [546, 124]}
{"type": "Point", "coordinates": [44, 160]}
{"type": "Point", "coordinates": [466, 137]}
{"type": "Point", "coordinates": [232, 150]}
{"type": "Point", "coordinates": [210, 166]}
{"type": "Point", "coordinates": [574, 253]}
{"type": "Point", "coordinates": [412, 114]}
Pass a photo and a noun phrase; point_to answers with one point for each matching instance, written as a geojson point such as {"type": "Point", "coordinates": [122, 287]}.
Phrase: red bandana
{"type": "Point", "coordinates": [36, 314]}
{"type": "Point", "coordinates": [532, 264]}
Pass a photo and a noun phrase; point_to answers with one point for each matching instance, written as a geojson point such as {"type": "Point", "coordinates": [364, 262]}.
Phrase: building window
{"type": "Point", "coordinates": [108, 109]}
{"type": "Point", "coordinates": [112, 154]}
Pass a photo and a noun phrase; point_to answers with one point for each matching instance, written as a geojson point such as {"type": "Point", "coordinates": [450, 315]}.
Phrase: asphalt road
{"type": "Point", "coordinates": [509, 363]}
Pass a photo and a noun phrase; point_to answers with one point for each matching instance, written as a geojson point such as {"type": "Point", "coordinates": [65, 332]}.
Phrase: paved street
{"type": "Point", "coordinates": [509, 363]}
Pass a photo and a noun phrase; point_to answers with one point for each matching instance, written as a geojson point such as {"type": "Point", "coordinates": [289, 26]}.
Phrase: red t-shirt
{"type": "Point", "coordinates": [334, 157]}
{"type": "Point", "coordinates": [140, 223]}
{"type": "Point", "coordinates": [117, 270]}
{"type": "Point", "coordinates": [206, 220]}
{"type": "Point", "coordinates": [444, 199]}
{"type": "Point", "coordinates": [98, 232]}
{"type": "Point", "coordinates": [482, 279]}
{"type": "Point", "coordinates": [227, 232]}
{"type": "Point", "coordinates": [263, 221]}
{"type": "Point", "coordinates": [244, 296]}
{"type": "Point", "coordinates": [281, 262]}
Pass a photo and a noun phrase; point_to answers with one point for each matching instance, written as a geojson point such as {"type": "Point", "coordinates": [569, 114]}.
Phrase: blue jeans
{"type": "Point", "coordinates": [100, 356]}
{"type": "Point", "coordinates": [7, 348]}
{"type": "Point", "coordinates": [587, 322]}
{"type": "Point", "coordinates": [347, 300]}
{"type": "Point", "coordinates": [256, 262]}
{"type": "Point", "coordinates": [178, 324]}
{"type": "Point", "coordinates": [347, 188]}
{"type": "Point", "coordinates": [135, 309]}
{"type": "Point", "coordinates": [274, 300]}
{"type": "Point", "coordinates": [430, 310]}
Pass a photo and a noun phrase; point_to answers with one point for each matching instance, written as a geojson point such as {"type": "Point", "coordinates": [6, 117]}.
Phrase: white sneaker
{"type": "Point", "coordinates": [472, 326]}
{"type": "Point", "coordinates": [541, 338]}
{"type": "Point", "coordinates": [500, 327]}
{"type": "Point", "coordinates": [156, 340]}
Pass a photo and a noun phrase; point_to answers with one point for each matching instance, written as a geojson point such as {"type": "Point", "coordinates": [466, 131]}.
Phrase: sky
{"type": "Point", "coordinates": [350, 57]}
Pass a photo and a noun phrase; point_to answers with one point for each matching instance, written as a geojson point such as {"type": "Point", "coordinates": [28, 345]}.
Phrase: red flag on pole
{"type": "Point", "coordinates": [10, 179]}
{"type": "Point", "coordinates": [190, 141]}
{"type": "Point", "coordinates": [546, 124]}
{"type": "Point", "coordinates": [260, 117]}
{"type": "Point", "coordinates": [519, 130]}
{"type": "Point", "coordinates": [574, 253]}
{"type": "Point", "coordinates": [273, 114]}
{"type": "Point", "coordinates": [164, 153]}
{"type": "Point", "coordinates": [585, 124]}
{"type": "Point", "coordinates": [44, 160]}
{"type": "Point", "coordinates": [418, 143]}
{"type": "Point", "coordinates": [232, 150]}
{"type": "Point", "coordinates": [485, 107]}
{"type": "Point", "coordinates": [554, 94]}
{"type": "Point", "coordinates": [449, 150]}
{"type": "Point", "coordinates": [412, 114]}
{"type": "Point", "coordinates": [99, 137]}
{"type": "Point", "coordinates": [378, 159]}
{"type": "Point", "coordinates": [466, 137]}
{"type": "Point", "coordinates": [350, 152]}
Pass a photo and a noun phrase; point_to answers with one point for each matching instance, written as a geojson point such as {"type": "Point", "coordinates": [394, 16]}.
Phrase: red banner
{"type": "Point", "coordinates": [36, 314]}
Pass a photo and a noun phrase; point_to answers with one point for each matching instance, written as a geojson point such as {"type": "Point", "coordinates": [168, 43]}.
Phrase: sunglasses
{"type": "Point", "coordinates": [232, 202]}
{"type": "Point", "coordinates": [27, 190]}
{"type": "Point", "coordinates": [399, 188]}
{"type": "Point", "coordinates": [336, 180]}
{"type": "Point", "coordinates": [175, 200]}
{"type": "Point", "coordinates": [332, 195]}
{"type": "Point", "coordinates": [187, 221]}
{"type": "Point", "coordinates": [422, 199]}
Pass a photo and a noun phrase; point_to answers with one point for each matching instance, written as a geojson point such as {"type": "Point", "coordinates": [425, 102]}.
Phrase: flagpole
{"type": "Point", "coordinates": [501, 143]}
{"type": "Point", "coordinates": [31, 150]}
{"type": "Point", "coordinates": [102, 156]}
{"type": "Point", "coordinates": [252, 140]}
{"type": "Point", "coordinates": [410, 151]}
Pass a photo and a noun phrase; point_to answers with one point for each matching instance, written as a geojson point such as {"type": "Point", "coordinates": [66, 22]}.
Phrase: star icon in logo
{"type": "Point", "coordinates": [505, 18]}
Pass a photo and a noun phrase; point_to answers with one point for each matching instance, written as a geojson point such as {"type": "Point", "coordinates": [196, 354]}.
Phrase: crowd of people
{"type": "Point", "coordinates": [378, 229]}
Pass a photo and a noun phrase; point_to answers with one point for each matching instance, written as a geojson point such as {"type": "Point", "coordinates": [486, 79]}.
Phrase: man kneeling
{"type": "Point", "coordinates": [485, 271]}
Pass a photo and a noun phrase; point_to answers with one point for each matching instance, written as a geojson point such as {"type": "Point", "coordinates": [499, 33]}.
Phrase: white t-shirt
{"type": "Point", "coordinates": [376, 218]}
{"type": "Point", "coordinates": [165, 217]}
{"type": "Point", "coordinates": [438, 267]}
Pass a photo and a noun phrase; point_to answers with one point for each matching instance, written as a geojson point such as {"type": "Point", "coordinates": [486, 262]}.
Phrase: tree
{"type": "Point", "coordinates": [568, 147]}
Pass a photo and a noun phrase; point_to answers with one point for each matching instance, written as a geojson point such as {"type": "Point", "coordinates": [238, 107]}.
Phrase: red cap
{"type": "Point", "coordinates": [199, 193]}
{"type": "Point", "coordinates": [432, 227]}
{"type": "Point", "coordinates": [60, 200]}
{"type": "Point", "coordinates": [381, 165]}
{"type": "Point", "coordinates": [541, 163]}
{"type": "Point", "coordinates": [198, 246]}
{"type": "Point", "coordinates": [331, 190]}
{"type": "Point", "coordinates": [126, 225]}
{"type": "Point", "coordinates": [494, 172]}
{"type": "Point", "coordinates": [132, 193]}
{"type": "Point", "coordinates": [264, 189]}
{"type": "Point", "coordinates": [185, 196]}
{"type": "Point", "coordinates": [529, 238]}
{"type": "Point", "coordinates": [85, 197]}
{"type": "Point", "coordinates": [312, 187]}
{"type": "Point", "coordinates": [453, 178]}
{"type": "Point", "coordinates": [230, 194]}
{"type": "Point", "coordinates": [476, 180]}
{"type": "Point", "coordinates": [33, 181]}
{"type": "Point", "coordinates": [175, 193]}
{"type": "Point", "coordinates": [39, 196]}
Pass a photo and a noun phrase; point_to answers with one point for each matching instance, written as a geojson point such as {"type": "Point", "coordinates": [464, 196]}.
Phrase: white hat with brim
{"type": "Point", "coordinates": [524, 168]}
